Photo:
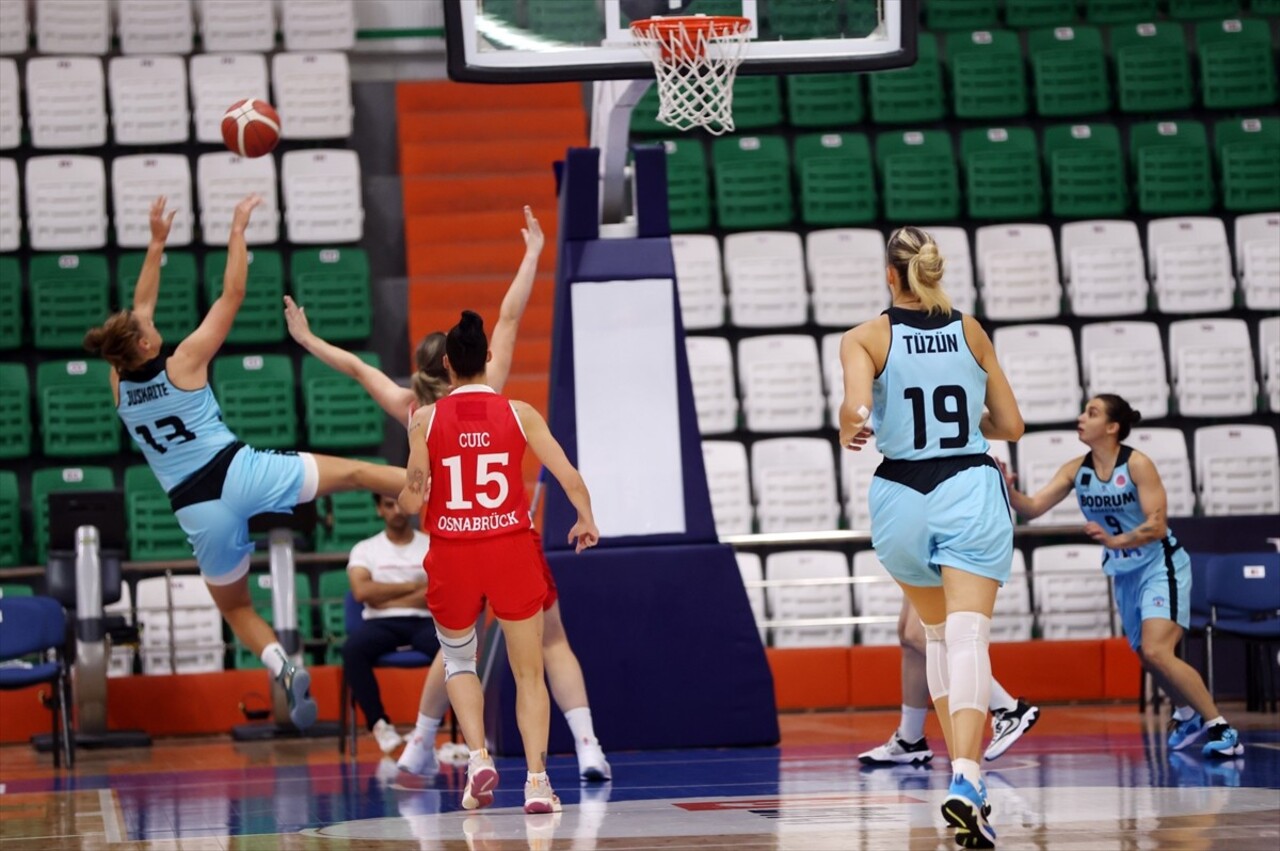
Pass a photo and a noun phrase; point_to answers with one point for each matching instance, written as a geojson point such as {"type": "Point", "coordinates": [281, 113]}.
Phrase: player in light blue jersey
{"type": "Point", "coordinates": [215, 483]}
{"type": "Point", "coordinates": [1123, 498]}
{"type": "Point", "coordinates": [918, 377]}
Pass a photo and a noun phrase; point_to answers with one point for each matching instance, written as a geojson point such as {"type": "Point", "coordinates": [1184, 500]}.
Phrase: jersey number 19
{"type": "Point", "coordinates": [942, 413]}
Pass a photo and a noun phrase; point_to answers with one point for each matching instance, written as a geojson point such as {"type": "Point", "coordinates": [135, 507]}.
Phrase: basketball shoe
{"type": "Point", "coordinates": [482, 778]}
{"type": "Point", "coordinates": [296, 683]}
{"type": "Point", "coordinates": [1008, 726]}
{"type": "Point", "coordinates": [897, 752]}
{"type": "Point", "coordinates": [965, 808]}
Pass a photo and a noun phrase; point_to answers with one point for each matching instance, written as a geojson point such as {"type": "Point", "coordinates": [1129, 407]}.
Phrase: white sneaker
{"type": "Point", "coordinates": [482, 779]}
{"type": "Point", "coordinates": [1008, 726]}
{"type": "Point", "coordinates": [388, 738]}
{"type": "Point", "coordinates": [897, 752]}
{"type": "Point", "coordinates": [540, 798]}
{"type": "Point", "coordinates": [592, 765]}
{"type": "Point", "coordinates": [418, 757]}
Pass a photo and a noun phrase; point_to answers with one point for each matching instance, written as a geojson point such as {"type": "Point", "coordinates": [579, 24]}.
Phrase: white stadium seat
{"type": "Point", "coordinates": [1211, 361]}
{"type": "Point", "coordinates": [750, 568]}
{"type": "Point", "coordinates": [794, 480]}
{"type": "Point", "coordinates": [1269, 359]}
{"type": "Point", "coordinates": [714, 391]}
{"type": "Point", "coordinates": [322, 196]}
{"type": "Point", "coordinates": [765, 272]}
{"type": "Point", "coordinates": [1167, 448]}
{"type": "Point", "coordinates": [10, 215]}
{"type": "Point", "coordinates": [312, 95]}
{"type": "Point", "coordinates": [729, 484]}
{"type": "Point", "coordinates": [875, 599]}
{"type": "Point", "coordinates": [66, 203]}
{"type": "Point", "coordinates": [149, 100]}
{"type": "Point", "coordinates": [846, 267]}
{"type": "Point", "coordinates": [1040, 362]}
{"type": "Point", "coordinates": [1103, 268]}
{"type": "Point", "coordinates": [136, 181]}
{"type": "Point", "coordinates": [1040, 455]}
{"type": "Point", "coordinates": [781, 383]}
{"type": "Point", "coordinates": [832, 375]}
{"type": "Point", "coordinates": [194, 642]}
{"type": "Point", "coordinates": [72, 26]}
{"type": "Point", "coordinates": [1237, 470]}
{"type": "Point", "coordinates": [957, 272]}
{"type": "Point", "coordinates": [120, 662]}
{"type": "Point", "coordinates": [810, 601]}
{"type": "Point", "coordinates": [856, 471]}
{"type": "Point", "coordinates": [1072, 594]}
{"type": "Point", "coordinates": [1258, 260]}
{"type": "Point", "coordinates": [1126, 358]}
{"type": "Point", "coordinates": [66, 102]}
{"type": "Point", "coordinates": [14, 29]}
{"type": "Point", "coordinates": [217, 81]}
{"type": "Point", "coordinates": [699, 279]}
{"type": "Point", "coordinates": [1012, 618]}
{"type": "Point", "coordinates": [318, 24]}
{"type": "Point", "coordinates": [155, 26]}
{"type": "Point", "coordinates": [222, 181]}
{"type": "Point", "coordinates": [234, 26]}
{"type": "Point", "coordinates": [1018, 272]}
{"type": "Point", "coordinates": [10, 110]}
{"type": "Point", "coordinates": [1190, 264]}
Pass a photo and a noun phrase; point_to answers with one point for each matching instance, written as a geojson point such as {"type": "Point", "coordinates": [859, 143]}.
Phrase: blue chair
{"type": "Point", "coordinates": [30, 625]}
{"type": "Point", "coordinates": [1249, 584]}
{"type": "Point", "coordinates": [406, 658]}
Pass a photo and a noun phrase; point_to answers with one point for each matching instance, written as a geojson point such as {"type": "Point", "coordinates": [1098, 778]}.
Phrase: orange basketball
{"type": "Point", "coordinates": [251, 128]}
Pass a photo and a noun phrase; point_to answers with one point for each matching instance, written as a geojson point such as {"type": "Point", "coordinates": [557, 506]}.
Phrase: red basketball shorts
{"type": "Point", "coordinates": [508, 570]}
{"type": "Point", "coordinates": [552, 593]}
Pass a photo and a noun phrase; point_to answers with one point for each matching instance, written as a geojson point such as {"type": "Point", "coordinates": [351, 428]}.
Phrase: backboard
{"type": "Point", "coordinates": [528, 41]}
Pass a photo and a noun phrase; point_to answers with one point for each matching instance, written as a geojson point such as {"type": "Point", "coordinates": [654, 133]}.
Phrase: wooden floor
{"type": "Point", "coordinates": [1086, 777]}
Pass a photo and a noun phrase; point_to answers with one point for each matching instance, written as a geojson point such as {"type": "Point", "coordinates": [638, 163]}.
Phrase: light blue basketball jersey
{"type": "Point", "coordinates": [1114, 506]}
{"type": "Point", "coordinates": [178, 431]}
{"type": "Point", "coordinates": [928, 398]}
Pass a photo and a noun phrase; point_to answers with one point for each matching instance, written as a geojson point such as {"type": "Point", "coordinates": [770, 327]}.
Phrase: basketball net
{"type": "Point", "coordinates": [695, 59]}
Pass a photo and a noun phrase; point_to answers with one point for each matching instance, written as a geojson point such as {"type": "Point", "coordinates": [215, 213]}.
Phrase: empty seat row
{"type": "Point", "coordinates": [975, 14]}
{"type": "Point", "coordinates": [171, 26]}
{"type": "Point", "coordinates": [66, 98]}
{"type": "Point", "coordinates": [66, 199]}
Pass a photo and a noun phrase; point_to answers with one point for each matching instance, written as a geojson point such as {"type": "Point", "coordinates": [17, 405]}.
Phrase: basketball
{"type": "Point", "coordinates": [251, 128]}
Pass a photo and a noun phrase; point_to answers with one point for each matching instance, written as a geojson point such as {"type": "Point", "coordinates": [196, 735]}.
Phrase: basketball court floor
{"type": "Point", "coordinates": [1085, 778]}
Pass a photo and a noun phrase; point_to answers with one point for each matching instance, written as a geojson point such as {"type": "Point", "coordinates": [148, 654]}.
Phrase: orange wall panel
{"type": "Point", "coordinates": [810, 677]}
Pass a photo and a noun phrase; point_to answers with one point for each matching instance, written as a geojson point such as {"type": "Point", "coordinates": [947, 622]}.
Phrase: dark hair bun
{"type": "Point", "coordinates": [471, 322]}
{"type": "Point", "coordinates": [1135, 417]}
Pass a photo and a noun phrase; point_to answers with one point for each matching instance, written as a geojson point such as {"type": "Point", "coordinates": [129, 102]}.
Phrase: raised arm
{"type": "Point", "coordinates": [1031, 507]}
{"type": "Point", "coordinates": [1154, 502]}
{"type": "Point", "coordinates": [1002, 420]}
{"type": "Point", "coordinates": [859, 374]}
{"type": "Point", "coordinates": [552, 456]}
{"type": "Point", "coordinates": [503, 342]}
{"type": "Point", "coordinates": [195, 352]}
{"type": "Point", "coordinates": [391, 397]}
{"type": "Point", "coordinates": [418, 469]}
{"type": "Point", "coordinates": [147, 289]}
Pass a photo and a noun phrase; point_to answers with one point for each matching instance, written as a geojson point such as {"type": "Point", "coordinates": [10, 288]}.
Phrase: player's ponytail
{"type": "Point", "coordinates": [116, 341]}
{"type": "Point", "coordinates": [431, 379]}
{"type": "Point", "coordinates": [1121, 412]}
{"type": "Point", "coordinates": [467, 346]}
{"type": "Point", "coordinates": [915, 257]}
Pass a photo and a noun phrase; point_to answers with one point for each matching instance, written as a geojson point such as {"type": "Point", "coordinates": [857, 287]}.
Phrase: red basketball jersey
{"type": "Point", "coordinates": [476, 445]}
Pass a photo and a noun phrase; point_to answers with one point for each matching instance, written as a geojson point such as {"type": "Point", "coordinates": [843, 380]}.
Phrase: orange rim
{"type": "Point", "coordinates": [670, 32]}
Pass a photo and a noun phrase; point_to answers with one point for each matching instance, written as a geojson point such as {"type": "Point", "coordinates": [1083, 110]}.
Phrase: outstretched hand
{"type": "Point", "coordinates": [160, 221]}
{"type": "Point", "coordinates": [240, 218]}
{"type": "Point", "coordinates": [585, 533]}
{"type": "Point", "coordinates": [532, 232]}
{"type": "Point", "coordinates": [296, 318]}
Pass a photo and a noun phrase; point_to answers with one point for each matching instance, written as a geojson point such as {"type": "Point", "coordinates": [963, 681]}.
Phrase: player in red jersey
{"type": "Point", "coordinates": [469, 447]}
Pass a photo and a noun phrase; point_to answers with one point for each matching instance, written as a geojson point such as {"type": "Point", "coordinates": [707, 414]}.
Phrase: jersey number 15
{"type": "Point", "coordinates": [484, 477]}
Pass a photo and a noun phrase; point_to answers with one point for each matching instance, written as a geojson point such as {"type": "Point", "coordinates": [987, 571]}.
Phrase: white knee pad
{"type": "Point", "coordinates": [969, 660]}
{"type": "Point", "coordinates": [459, 654]}
{"type": "Point", "coordinates": [935, 659]}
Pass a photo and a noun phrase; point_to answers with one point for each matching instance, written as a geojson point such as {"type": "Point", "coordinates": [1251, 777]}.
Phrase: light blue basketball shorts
{"type": "Point", "coordinates": [255, 481]}
{"type": "Point", "coordinates": [925, 516]}
{"type": "Point", "coordinates": [1162, 589]}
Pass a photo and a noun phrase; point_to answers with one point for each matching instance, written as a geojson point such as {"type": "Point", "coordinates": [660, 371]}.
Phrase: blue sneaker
{"type": "Point", "coordinates": [1184, 733]}
{"type": "Point", "coordinates": [965, 808]}
{"type": "Point", "coordinates": [1224, 742]}
{"type": "Point", "coordinates": [296, 683]}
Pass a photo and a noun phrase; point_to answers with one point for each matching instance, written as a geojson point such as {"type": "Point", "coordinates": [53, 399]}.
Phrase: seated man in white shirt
{"type": "Point", "coordinates": [387, 576]}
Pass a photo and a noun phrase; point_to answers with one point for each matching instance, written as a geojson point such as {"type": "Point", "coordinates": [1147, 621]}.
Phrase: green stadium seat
{"type": "Point", "coordinates": [1236, 66]}
{"type": "Point", "coordinates": [987, 75]}
{"type": "Point", "coordinates": [69, 295]}
{"type": "Point", "coordinates": [177, 313]}
{"type": "Point", "coordinates": [334, 585]}
{"type": "Point", "coordinates": [836, 178]}
{"type": "Point", "coordinates": [11, 323]}
{"type": "Point", "coordinates": [961, 14]}
{"type": "Point", "coordinates": [1248, 152]}
{"type": "Point", "coordinates": [1086, 171]}
{"type": "Point", "coordinates": [567, 22]}
{"type": "Point", "coordinates": [644, 117]}
{"type": "Point", "coordinates": [15, 411]}
{"type": "Point", "coordinates": [1002, 173]}
{"type": "Point", "coordinates": [77, 412]}
{"type": "Point", "coordinates": [260, 598]}
{"type": "Point", "coordinates": [52, 480]}
{"type": "Point", "coordinates": [910, 95]}
{"type": "Point", "coordinates": [1120, 11]}
{"type": "Point", "coordinates": [333, 285]}
{"type": "Point", "coordinates": [346, 518]}
{"type": "Point", "coordinates": [1153, 72]}
{"type": "Point", "coordinates": [824, 100]}
{"type": "Point", "coordinates": [757, 102]}
{"type": "Point", "coordinates": [256, 393]}
{"type": "Point", "coordinates": [753, 182]}
{"type": "Point", "coordinates": [800, 19]}
{"type": "Point", "coordinates": [1027, 14]}
{"type": "Point", "coordinates": [154, 533]}
{"type": "Point", "coordinates": [1197, 10]}
{"type": "Point", "coordinates": [340, 414]}
{"type": "Point", "coordinates": [1265, 7]}
{"type": "Point", "coordinates": [688, 185]}
{"type": "Point", "coordinates": [1171, 162]}
{"type": "Point", "coordinates": [1069, 66]}
{"type": "Point", "coordinates": [10, 520]}
{"type": "Point", "coordinates": [15, 589]}
{"type": "Point", "coordinates": [918, 178]}
{"type": "Point", "coordinates": [261, 316]}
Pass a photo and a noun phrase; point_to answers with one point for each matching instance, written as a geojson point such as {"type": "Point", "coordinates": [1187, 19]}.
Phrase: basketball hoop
{"type": "Point", "coordinates": [695, 59]}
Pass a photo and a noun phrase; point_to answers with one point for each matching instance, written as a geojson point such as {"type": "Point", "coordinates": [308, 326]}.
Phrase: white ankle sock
{"type": "Point", "coordinates": [1213, 722]}
{"type": "Point", "coordinates": [427, 728]}
{"type": "Point", "coordinates": [580, 724]}
{"type": "Point", "coordinates": [540, 777]}
{"type": "Point", "coordinates": [911, 727]}
{"type": "Point", "coordinates": [1001, 700]}
{"type": "Point", "coordinates": [1184, 713]}
{"type": "Point", "coordinates": [274, 657]}
{"type": "Point", "coordinates": [968, 769]}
